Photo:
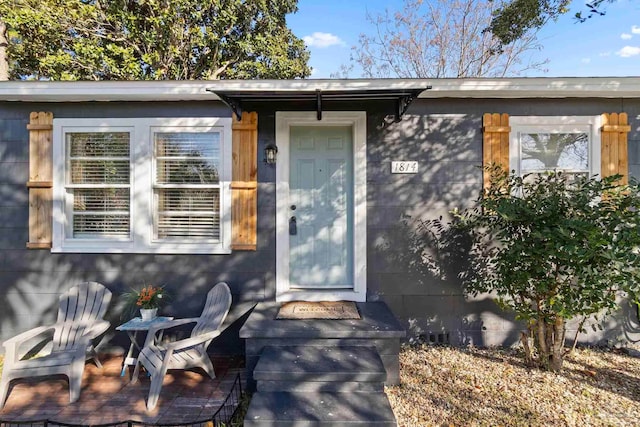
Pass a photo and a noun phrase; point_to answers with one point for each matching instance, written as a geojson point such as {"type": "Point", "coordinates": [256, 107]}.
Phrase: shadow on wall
{"type": "Point", "coordinates": [433, 302]}
{"type": "Point", "coordinates": [32, 280]}
{"type": "Point", "coordinates": [621, 327]}
{"type": "Point", "coordinates": [31, 297]}
{"type": "Point", "coordinates": [37, 277]}
{"type": "Point", "coordinates": [428, 298]}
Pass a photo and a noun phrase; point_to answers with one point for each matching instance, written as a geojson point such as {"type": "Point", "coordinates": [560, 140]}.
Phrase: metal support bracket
{"type": "Point", "coordinates": [233, 104]}
{"type": "Point", "coordinates": [403, 102]}
{"type": "Point", "coordinates": [319, 104]}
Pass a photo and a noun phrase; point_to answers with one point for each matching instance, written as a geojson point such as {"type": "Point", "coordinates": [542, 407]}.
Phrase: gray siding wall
{"type": "Point", "coordinates": [32, 280]}
{"type": "Point", "coordinates": [443, 135]}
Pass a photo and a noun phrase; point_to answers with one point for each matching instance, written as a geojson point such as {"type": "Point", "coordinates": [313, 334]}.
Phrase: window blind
{"type": "Point", "coordinates": [187, 186]}
{"type": "Point", "coordinates": [99, 183]}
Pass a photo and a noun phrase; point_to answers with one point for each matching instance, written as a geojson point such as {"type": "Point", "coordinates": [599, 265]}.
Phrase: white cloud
{"type": "Point", "coordinates": [625, 36]}
{"type": "Point", "coordinates": [322, 40]}
{"type": "Point", "coordinates": [629, 51]}
{"type": "Point", "coordinates": [635, 29]}
{"type": "Point", "coordinates": [585, 60]}
{"type": "Point", "coordinates": [604, 54]}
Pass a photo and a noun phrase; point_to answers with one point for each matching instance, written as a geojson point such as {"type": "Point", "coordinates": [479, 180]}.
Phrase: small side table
{"type": "Point", "coordinates": [132, 327]}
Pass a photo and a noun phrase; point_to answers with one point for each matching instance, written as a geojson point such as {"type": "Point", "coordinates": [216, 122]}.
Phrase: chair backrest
{"type": "Point", "coordinates": [80, 306]}
{"type": "Point", "coordinates": [215, 310]}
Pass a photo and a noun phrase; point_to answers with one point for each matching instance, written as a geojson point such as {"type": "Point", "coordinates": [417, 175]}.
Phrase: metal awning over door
{"type": "Point", "coordinates": [402, 97]}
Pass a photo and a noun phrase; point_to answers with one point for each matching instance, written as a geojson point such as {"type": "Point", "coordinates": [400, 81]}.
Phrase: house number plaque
{"type": "Point", "coordinates": [404, 167]}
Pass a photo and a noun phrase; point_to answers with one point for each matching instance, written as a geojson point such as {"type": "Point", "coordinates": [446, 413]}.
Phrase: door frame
{"type": "Point", "coordinates": [358, 122]}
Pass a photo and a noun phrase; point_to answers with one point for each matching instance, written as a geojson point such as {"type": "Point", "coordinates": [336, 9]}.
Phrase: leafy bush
{"type": "Point", "coordinates": [552, 247]}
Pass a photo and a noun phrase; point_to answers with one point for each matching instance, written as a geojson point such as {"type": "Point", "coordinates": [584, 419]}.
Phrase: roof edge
{"type": "Point", "coordinates": [196, 90]}
{"type": "Point", "coordinates": [537, 87]}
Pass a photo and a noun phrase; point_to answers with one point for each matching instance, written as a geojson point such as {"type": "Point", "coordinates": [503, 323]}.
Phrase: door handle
{"type": "Point", "coordinates": [293, 226]}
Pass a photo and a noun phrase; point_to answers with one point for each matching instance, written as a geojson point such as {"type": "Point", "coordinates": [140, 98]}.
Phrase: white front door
{"type": "Point", "coordinates": [321, 207]}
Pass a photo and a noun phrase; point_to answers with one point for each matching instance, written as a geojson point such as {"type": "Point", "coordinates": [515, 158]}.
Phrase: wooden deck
{"type": "Point", "coordinates": [106, 397]}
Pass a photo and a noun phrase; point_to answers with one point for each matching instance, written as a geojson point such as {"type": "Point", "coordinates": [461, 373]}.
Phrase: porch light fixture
{"type": "Point", "coordinates": [270, 154]}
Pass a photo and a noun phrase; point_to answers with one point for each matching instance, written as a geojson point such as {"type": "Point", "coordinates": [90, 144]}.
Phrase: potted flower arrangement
{"type": "Point", "coordinates": [147, 299]}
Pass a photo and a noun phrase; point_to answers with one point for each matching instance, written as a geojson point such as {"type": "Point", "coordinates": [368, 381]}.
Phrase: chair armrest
{"type": "Point", "coordinates": [97, 328]}
{"type": "Point", "coordinates": [27, 335]}
{"type": "Point", "coordinates": [172, 324]}
{"type": "Point", "coordinates": [190, 342]}
{"type": "Point", "coordinates": [12, 344]}
{"type": "Point", "coordinates": [168, 324]}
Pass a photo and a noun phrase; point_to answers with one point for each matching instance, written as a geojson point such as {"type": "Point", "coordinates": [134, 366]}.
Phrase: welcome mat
{"type": "Point", "coordinates": [318, 310]}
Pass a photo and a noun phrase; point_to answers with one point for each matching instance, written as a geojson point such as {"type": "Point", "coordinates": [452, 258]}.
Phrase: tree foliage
{"type": "Point", "coordinates": [440, 38]}
{"type": "Point", "coordinates": [152, 39]}
{"type": "Point", "coordinates": [553, 249]}
{"type": "Point", "coordinates": [4, 63]}
{"type": "Point", "coordinates": [516, 18]}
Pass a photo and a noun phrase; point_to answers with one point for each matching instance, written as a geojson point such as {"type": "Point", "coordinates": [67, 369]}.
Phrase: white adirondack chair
{"type": "Point", "coordinates": [79, 322]}
{"type": "Point", "coordinates": [158, 358]}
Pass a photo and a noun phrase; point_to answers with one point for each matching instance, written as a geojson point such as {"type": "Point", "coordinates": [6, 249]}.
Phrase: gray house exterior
{"type": "Point", "coordinates": [438, 137]}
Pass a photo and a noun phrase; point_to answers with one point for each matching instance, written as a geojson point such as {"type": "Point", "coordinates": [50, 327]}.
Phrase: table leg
{"type": "Point", "coordinates": [129, 360]}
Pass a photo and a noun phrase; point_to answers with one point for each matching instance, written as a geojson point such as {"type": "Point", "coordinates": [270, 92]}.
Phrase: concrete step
{"type": "Point", "coordinates": [322, 386]}
{"type": "Point", "coordinates": [296, 409]}
{"type": "Point", "coordinates": [309, 368]}
{"type": "Point", "coordinates": [378, 328]}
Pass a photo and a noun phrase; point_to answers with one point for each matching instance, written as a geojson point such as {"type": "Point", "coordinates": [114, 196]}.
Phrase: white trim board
{"type": "Point", "coordinates": [357, 120]}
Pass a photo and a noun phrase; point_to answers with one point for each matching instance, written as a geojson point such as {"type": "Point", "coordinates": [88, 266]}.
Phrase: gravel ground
{"type": "Point", "coordinates": [482, 387]}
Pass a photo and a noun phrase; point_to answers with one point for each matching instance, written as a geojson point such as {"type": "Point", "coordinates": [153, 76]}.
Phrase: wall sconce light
{"type": "Point", "coordinates": [270, 154]}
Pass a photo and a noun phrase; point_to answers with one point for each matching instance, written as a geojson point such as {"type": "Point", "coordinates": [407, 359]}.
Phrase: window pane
{"type": "Point", "coordinates": [101, 199]}
{"type": "Point", "coordinates": [549, 151]}
{"type": "Point", "coordinates": [103, 144]}
{"type": "Point", "coordinates": [98, 158]}
{"type": "Point", "coordinates": [173, 199]}
{"type": "Point", "coordinates": [99, 172]}
{"type": "Point", "coordinates": [100, 226]}
{"type": "Point", "coordinates": [188, 213]}
{"type": "Point", "coordinates": [187, 158]}
{"type": "Point", "coordinates": [188, 144]}
{"type": "Point", "coordinates": [98, 161]}
{"type": "Point", "coordinates": [171, 226]}
{"type": "Point", "coordinates": [186, 172]}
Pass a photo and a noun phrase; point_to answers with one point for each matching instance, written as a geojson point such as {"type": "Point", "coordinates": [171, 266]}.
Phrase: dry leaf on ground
{"type": "Point", "coordinates": [482, 387]}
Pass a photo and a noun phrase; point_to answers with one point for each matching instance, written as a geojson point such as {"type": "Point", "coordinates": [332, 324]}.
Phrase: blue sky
{"type": "Point", "coordinates": [603, 46]}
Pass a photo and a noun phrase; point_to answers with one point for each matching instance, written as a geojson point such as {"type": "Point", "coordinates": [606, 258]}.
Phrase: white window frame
{"type": "Point", "coordinates": [556, 124]}
{"type": "Point", "coordinates": [141, 203]}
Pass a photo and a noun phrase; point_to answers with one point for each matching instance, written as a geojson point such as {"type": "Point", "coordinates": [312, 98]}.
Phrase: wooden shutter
{"type": "Point", "coordinates": [244, 185]}
{"type": "Point", "coordinates": [495, 142]}
{"type": "Point", "coordinates": [40, 180]}
{"type": "Point", "coordinates": [614, 151]}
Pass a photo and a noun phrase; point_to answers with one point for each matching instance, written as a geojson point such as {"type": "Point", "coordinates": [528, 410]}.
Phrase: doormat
{"type": "Point", "coordinates": [318, 310]}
